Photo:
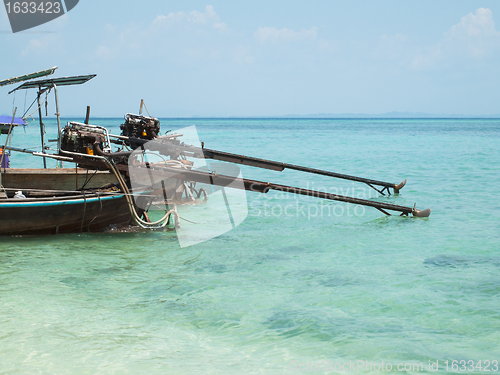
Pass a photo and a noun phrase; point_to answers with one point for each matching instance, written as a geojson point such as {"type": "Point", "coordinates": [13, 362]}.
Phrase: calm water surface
{"type": "Point", "coordinates": [281, 290]}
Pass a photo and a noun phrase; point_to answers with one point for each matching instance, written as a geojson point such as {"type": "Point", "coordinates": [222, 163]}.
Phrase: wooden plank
{"type": "Point", "coordinates": [55, 178]}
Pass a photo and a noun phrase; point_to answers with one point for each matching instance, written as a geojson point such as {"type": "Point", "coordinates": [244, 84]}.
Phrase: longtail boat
{"type": "Point", "coordinates": [107, 187]}
{"type": "Point", "coordinates": [54, 200]}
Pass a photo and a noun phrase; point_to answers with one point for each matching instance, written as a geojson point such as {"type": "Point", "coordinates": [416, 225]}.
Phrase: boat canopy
{"type": "Point", "coordinates": [25, 77]}
{"type": "Point", "coordinates": [6, 120]}
{"type": "Point", "coordinates": [51, 82]}
{"type": "Point", "coordinates": [5, 123]}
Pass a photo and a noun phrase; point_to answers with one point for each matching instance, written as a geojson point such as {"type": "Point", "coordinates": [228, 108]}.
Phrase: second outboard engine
{"type": "Point", "coordinates": [142, 127]}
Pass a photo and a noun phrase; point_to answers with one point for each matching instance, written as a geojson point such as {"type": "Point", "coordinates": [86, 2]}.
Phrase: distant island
{"type": "Point", "coordinates": [388, 115]}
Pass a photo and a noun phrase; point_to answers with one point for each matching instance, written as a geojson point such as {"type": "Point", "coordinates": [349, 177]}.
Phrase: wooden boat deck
{"type": "Point", "coordinates": [56, 178]}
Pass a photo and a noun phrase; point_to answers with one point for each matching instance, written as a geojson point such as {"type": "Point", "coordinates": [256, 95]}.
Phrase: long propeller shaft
{"type": "Point", "coordinates": [198, 152]}
{"type": "Point", "coordinates": [264, 187]}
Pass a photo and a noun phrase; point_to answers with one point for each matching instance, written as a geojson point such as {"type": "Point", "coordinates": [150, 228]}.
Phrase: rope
{"type": "Point", "coordinates": [144, 104]}
{"type": "Point", "coordinates": [189, 221]}
{"type": "Point", "coordinates": [26, 110]}
{"type": "Point", "coordinates": [87, 179]}
{"type": "Point", "coordinates": [84, 210]}
{"type": "Point", "coordinates": [25, 96]}
{"type": "Point", "coordinates": [143, 224]}
{"type": "Point", "coordinates": [40, 106]}
{"type": "Point", "coordinates": [100, 211]}
{"type": "Point", "coordinates": [193, 222]}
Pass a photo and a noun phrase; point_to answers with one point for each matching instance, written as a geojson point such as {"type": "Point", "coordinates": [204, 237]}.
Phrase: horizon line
{"type": "Point", "coordinates": [298, 117]}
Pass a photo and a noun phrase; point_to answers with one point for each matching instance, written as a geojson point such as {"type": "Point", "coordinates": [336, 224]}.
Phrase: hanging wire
{"type": "Point", "coordinates": [24, 115]}
{"type": "Point", "coordinates": [40, 106]}
{"type": "Point", "coordinates": [25, 95]}
{"type": "Point", "coordinates": [146, 109]}
{"type": "Point", "coordinates": [13, 102]}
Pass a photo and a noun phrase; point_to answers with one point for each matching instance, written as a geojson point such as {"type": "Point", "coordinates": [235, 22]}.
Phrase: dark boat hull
{"type": "Point", "coordinates": [92, 213]}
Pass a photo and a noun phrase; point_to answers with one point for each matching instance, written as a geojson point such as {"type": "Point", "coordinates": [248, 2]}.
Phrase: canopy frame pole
{"type": "Point", "coordinates": [58, 114]}
{"type": "Point", "coordinates": [42, 126]}
{"type": "Point", "coordinates": [3, 193]}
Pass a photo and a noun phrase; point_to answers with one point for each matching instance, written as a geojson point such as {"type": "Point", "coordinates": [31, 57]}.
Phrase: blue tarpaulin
{"type": "Point", "coordinates": [7, 120]}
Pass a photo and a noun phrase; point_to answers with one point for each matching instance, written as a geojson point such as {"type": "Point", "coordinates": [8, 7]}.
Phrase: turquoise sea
{"type": "Point", "coordinates": [321, 287]}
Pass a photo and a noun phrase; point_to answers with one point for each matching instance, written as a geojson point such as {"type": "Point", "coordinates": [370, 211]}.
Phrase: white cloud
{"type": "Point", "coordinates": [45, 44]}
{"type": "Point", "coordinates": [428, 59]}
{"type": "Point", "coordinates": [160, 19]}
{"type": "Point", "coordinates": [187, 35]}
{"type": "Point", "coordinates": [208, 17]}
{"type": "Point", "coordinates": [274, 35]}
{"type": "Point", "coordinates": [475, 37]}
{"type": "Point", "coordinates": [103, 52]}
{"type": "Point", "coordinates": [132, 37]}
{"type": "Point", "coordinates": [475, 25]}
{"type": "Point", "coordinates": [221, 26]}
{"type": "Point", "coordinates": [171, 17]}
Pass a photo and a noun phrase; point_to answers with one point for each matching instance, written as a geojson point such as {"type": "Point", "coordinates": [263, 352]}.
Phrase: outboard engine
{"type": "Point", "coordinates": [142, 127]}
{"type": "Point", "coordinates": [81, 138]}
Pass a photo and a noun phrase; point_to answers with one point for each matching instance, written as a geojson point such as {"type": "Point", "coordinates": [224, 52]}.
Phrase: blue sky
{"type": "Point", "coordinates": [266, 58]}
